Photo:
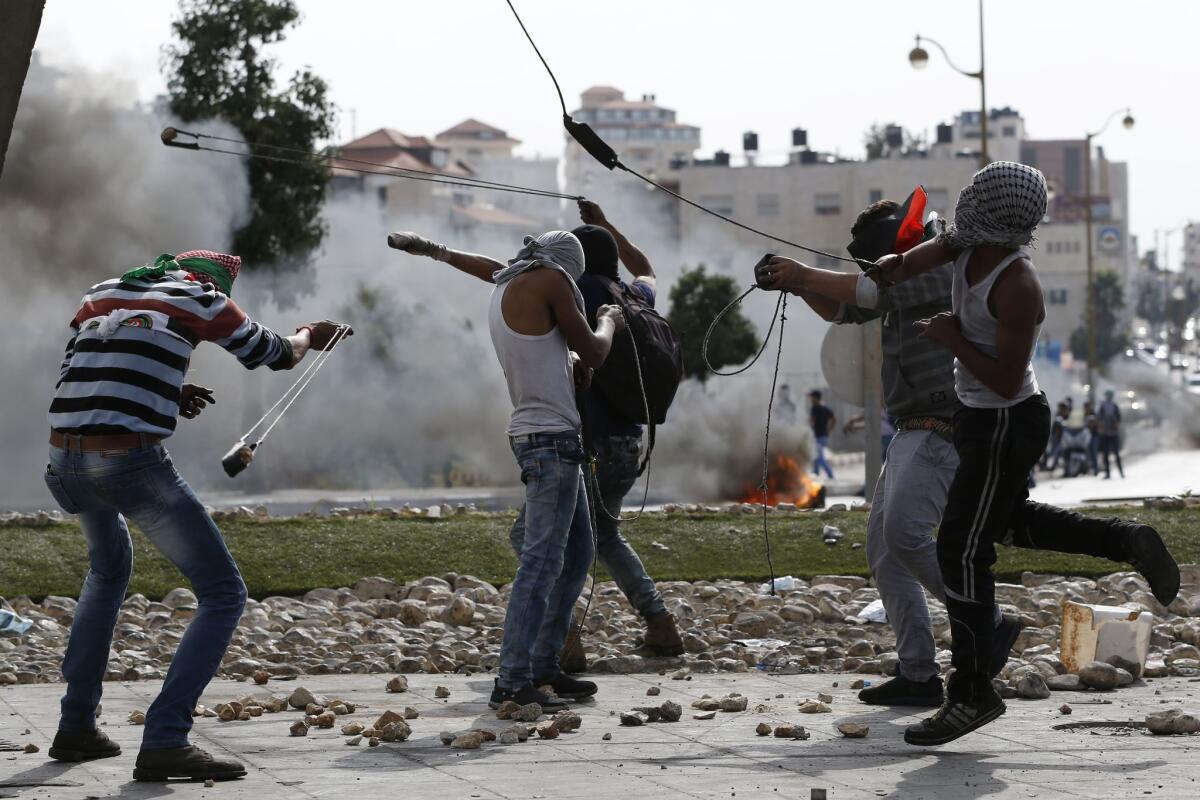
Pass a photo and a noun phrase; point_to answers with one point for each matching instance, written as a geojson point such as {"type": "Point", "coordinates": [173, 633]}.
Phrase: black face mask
{"type": "Point", "coordinates": [599, 251]}
{"type": "Point", "coordinates": [899, 231]}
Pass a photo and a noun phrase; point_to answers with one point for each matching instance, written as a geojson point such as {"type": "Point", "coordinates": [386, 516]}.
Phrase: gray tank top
{"type": "Point", "coordinates": [979, 328]}
{"type": "Point", "coordinates": [538, 372]}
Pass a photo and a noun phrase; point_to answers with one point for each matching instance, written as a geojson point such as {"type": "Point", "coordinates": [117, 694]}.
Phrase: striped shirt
{"type": "Point", "coordinates": [130, 346]}
{"type": "Point", "coordinates": [918, 375]}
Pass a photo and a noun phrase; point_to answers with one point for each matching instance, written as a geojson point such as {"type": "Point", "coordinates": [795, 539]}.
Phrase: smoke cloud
{"type": "Point", "coordinates": [415, 398]}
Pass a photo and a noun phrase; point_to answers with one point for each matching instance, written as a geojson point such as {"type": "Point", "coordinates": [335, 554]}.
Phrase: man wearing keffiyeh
{"type": "Point", "coordinates": [545, 345]}
{"type": "Point", "coordinates": [1000, 433]}
{"type": "Point", "coordinates": [120, 388]}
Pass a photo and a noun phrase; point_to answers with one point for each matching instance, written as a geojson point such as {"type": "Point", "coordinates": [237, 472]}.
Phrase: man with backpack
{"type": "Point", "coordinates": [612, 432]}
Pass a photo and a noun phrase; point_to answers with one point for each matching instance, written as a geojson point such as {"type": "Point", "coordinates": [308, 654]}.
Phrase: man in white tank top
{"type": "Point", "coordinates": [1000, 433]}
{"type": "Point", "coordinates": [542, 340]}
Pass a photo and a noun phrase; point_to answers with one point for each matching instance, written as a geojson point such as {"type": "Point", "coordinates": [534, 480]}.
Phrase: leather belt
{"type": "Point", "coordinates": [96, 444]}
{"type": "Point", "coordinates": [938, 425]}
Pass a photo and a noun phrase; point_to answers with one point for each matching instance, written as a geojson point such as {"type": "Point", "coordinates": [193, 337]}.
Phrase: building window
{"type": "Point", "coordinates": [767, 205]}
{"type": "Point", "coordinates": [874, 196]}
{"type": "Point", "coordinates": [1058, 297]}
{"type": "Point", "coordinates": [939, 200]}
{"type": "Point", "coordinates": [827, 204]}
{"type": "Point", "coordinates": [720, 203]}
{"type": "Point", "coordinates": [1073, 170]}
{"type": "Point", "coordinates": [1009, 131]}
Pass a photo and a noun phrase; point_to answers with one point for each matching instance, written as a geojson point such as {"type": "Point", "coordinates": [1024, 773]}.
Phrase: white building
{"type": "Point", "coordinates": [814, 199]}
{"type": "Point", "coordinates": [488, 152]}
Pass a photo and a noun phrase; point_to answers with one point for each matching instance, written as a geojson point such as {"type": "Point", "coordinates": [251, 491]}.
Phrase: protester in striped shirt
{"type": "Point", "coordinates": [119, 391]}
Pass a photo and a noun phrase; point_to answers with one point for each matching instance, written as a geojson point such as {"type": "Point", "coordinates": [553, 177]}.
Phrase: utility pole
{"type": "Point", "coordinates": [19, 23]}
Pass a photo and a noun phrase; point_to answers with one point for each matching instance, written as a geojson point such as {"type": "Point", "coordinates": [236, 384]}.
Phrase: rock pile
{"type": "Point", "coordinates": [453, 623]}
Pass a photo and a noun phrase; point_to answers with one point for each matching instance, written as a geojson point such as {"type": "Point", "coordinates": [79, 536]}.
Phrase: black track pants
{"type": "Point", "coordinates": [988, 504]}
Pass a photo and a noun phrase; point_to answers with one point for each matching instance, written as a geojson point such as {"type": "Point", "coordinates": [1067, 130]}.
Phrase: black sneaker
{"type": "Point", "coordinates": [1003, 640]}
{"type": "Point", "coordinates": [83, 746]}
{"type": "Point", "coordinates": [956, 718]}
{"type": "Point", "coordinates": [900, 691]}
{"type": "Point", "coordinates": [524, 696]}
{"type": "Point", "coordinates": [190, 763]}
{"type": "Point", "coordinates": [1150, 556]}
{"type": "Point", "coordinates": [568, 687]}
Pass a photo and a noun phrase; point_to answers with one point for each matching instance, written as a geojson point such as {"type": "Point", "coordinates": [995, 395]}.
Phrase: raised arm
{"type": "Point", "coordinates": [631, 256]}
{"type": "Point", "coordinates": [922, 258]}
{"type": "Point", "coordinates": [481, 267]}
{"type": "Point", "coordinates": [826, 292]}
{"type": "Point", "coordinates": [1017, 302]}
{"type": "Point", "coordinates": [592, 346]}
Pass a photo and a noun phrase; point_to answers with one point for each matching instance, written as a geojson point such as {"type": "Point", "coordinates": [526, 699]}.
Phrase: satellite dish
{"type": "Point", "coordinates": [842, 363]}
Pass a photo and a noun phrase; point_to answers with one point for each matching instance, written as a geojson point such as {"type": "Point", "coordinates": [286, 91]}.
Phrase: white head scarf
{"type": "Point", "coordinates": [559, 250]}
{"type": "Point", "coordinates": [1003, 205]}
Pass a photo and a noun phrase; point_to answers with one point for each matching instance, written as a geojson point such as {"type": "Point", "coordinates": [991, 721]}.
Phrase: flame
{"type": "Point", "coordinates": [787, 482]}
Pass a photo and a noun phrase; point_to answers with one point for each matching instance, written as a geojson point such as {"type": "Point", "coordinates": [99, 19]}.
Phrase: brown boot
{"type": "Point", "coordinates": [662, 636]}
{"type": "Point", "coordinates": [572, 659]}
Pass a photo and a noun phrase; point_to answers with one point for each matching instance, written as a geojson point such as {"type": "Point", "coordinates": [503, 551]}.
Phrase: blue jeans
{"type": "Point", "coordinates": [553, 540]}
{"type": "Point", "coordinates": [819, 459]}
{"type": "Point", "coordinates": [142, 484]}
{"type": "Point", "coordinates": [616, 472]}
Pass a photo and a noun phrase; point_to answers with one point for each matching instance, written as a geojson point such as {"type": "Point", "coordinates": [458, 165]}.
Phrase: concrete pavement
{"type": "Point", "coordinates": [1020, 755]}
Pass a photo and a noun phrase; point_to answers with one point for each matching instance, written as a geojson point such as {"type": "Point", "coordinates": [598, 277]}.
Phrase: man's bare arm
{"type": "Point", "coordinates": [592, 346]}
{"type": "Point", "coordinates": [630, 254]}
{"type": "Point", "coordinates": [474, 264]}
{"type": "Point", "coordinates": [922, 258]}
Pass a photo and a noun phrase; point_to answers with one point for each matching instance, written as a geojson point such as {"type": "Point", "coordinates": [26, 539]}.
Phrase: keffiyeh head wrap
{"type": "Point", "coordinates": [1003, 205]}
{"type": "Point", "coordinates": [554, 249]}
{"type": "Point", "coordinates": [221, 268]}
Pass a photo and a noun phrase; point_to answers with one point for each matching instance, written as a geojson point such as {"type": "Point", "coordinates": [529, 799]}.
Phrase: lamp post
{"type": "Point", "coordinates": [919, 58]}
{"type": "Point", "coordinates": [1087, 216]}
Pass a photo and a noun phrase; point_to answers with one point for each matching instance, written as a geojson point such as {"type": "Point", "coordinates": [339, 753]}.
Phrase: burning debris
{"type": "Point", "coordinates": [787, 482]}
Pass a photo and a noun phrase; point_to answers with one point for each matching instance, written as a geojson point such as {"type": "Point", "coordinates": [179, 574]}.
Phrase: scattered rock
{"type": "Point", "coordinates": [471, 740]}
{"type": "Point", "coordinates": [549, 730]}
{"type": "Point", "coordinates": [653, 691]}
{"type": "Point", "coordinates": [261, 676]}
{"type": "Point", "coordinates": [1064, 683]}
{"type": "Point", "coordinates": [568, 721]}
{"type": "Point", "coordinates": [825, 698]}
{"type": "Point", "coordinates": [852, 730]}
{"type": "Point", "coordinates": [354, 741]}
{"type": "Point", "coordinates": [1099, 675]}
{"type": "Point", "coordinates": [352, 729]}
{"type": "Point", "coordinates": [732, 703]}
{"type": "Point", "coordinates": [637, 718]}
{"type": "Point", "coordinates": [32, 748]}
{"type": "Point", "coordinates": [607, 737]}
{"type": "Point", "coordinates": [301, 698]}
{"type": "Point", "coordinates": [858, 684]}
{"type": "Point", "coordinates": [1033, 687]}
{"type": "Point", "coordinates": [763, 729]}
{"type": "Point", "coordinates": [814, 707]}
{"type": "Point", "coordinates": [397, 684]}
{"type": "Point", "coordinates": [137, 718]}
{"type": "Point", "coordinates": [1172, 723]}
{"type": "Point", "coordinates": [672, 712]}
{"type": "Point", "coordinates": [791, 732]}
{"type": "Point", "coordinates": [441, 692]}
{"type": "Point", "coordinates": [700, 715]}
{"type": "Point", "coordinates": [299, 728]}
{"type": "Point", "coordinates": [387, 718]}
{"type": "Point", "coordinates": [528, 713]}
{"type": "Point", "coordinates": [509, 737]}
{"type": "Point", "coordinates": [373, 742]}
{"type": "Point", "coordinates": [1064, 709]}
{"type": "Point", "coordinates": [397, 731]}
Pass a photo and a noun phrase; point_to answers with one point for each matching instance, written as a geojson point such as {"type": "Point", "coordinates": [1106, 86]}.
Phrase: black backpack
{"type": "Point", "coordinates": [660, 354]}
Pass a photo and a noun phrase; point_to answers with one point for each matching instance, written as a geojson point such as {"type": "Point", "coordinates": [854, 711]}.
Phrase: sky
{"type": "Point", "coordinates": [831, 67]}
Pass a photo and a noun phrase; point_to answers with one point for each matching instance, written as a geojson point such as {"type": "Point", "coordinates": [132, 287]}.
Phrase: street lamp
{"type": "Point", "coordinates": [919, 58]}
{"type": "Point", "coordinates": [1127, 122]}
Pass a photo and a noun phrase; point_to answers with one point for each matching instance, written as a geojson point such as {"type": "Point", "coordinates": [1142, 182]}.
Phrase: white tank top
{"type": "Point", "coordinates": [538, 372]}
{"type": "Point", "coordinates": [979, 328]}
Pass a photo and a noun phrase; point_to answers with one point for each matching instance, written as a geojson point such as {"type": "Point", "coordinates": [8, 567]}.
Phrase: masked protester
{"type": "Point", "coordinates": [119, 391]}
{"type": "Point", "coordinates": [1000, 432]}
{"type": "Point", "coordinates": [545, 345]}
{"type": "Point", "coordinates": [614, 440]}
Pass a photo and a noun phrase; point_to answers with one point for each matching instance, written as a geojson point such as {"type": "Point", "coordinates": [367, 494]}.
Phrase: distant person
{"type": "Point", "coordinates": [998, 311]}
{"type": "Point", "coordinates": [1092, 423]}
{"type": "Point", "coordinates": [616, 442]}
{"type": "Point", "coordinates": [1054, 444]}
{"type": "Point", "coordinates": [821, 420]}
{"type": "Point", "coordinates": [118, 394]}
{"type": "Point", "coordinates": [545, 347]}
{"type": "Point", "coordinates": [1108, 423]}
{"type": "Point", "coordinates": [788, 413]}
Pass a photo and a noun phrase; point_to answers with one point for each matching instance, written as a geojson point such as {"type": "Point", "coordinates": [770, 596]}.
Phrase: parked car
{"type": "Point", "coordinates": [1193, 383]}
